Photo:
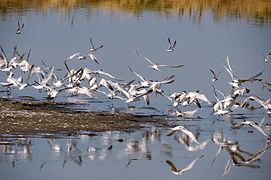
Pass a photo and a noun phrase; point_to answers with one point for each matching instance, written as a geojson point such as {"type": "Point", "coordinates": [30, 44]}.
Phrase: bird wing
{"type": "Point", "coordinates": [214, 88]}
{"type": "Point", "coordinates": [98, 48]}
{"type": "Point", "coordinates": [257, 99]}
{"type": "Point", "coordinates": [15, 52]}
{"type": "Point", "coordinates": [233, 101]}
{"type": "Point", "coordinates": [126, 93]}
{"type": "Point", "coordinates": [237, 126]}
{"type": "Point", "coordinates": [228, 167]}
{"type": "Point", "coordinates": [163, 65]}
{"type": "Point", "coordinates": [258, 155]}
{"type": "Point", "coordinates": [213, 73]}
{"type": "Point", "coordinates": [171, 66]}
{"type": "Point", "coordinates": [5, 58]}
{"type": "Point", "coordinates": [174, 44]}
{"type": "Point", "coordinates": [73, 56]}
{"type": "Point", "coordinates": [168, 39]}
{"type": "Point", "coordinates": [171, 133]}
{"type": "Point", "coordinates": [145, 58]}
{"type": "Point", "coordinates": [229, 69]}
{"type": "Point", "coordinates": [146, 99]}
{"type": "Point", "coordinates": [218, 101]}
{"type": "Point", "coordinates": [231, 74]}
{"type": "Point", "coordinates": [256, 126]}
{"type": "Point", "coordinates": [204, 98]}
{"type": "Point", "coordinates": [145, 93]}
{"type": "Point", "coordinates": [6, 84]}
{"type": "Point", "coordinates": [28, 55]}
{"type": "Point", "coordinates": [229, 66]}
{"type": "Point", "coordinates": [92, 57]}
{"type": "Point", "coordinates": [190, 134]}
{"type": "Point", "coordinates": [138, 75]}
{"type": "Point", "coordinates": [30, 71]}
{"type": "Point", "coordinates": [128, 85]}
{"type": "Point", "coordinates": [189, 166]}
{"type": "Point", "coordinates": [106, 84]}
{"type": "Point", "coordinates": [49, 75]}
{"type": "Point", "coordinates": [91, 43]}
{"type": "Point", "coordinates": [172, 166]}
{"type": "Point", "coordinates": [253, 78]}
{"type": "Point", "coordinates": [104, 73]}
{"type": "Point", "coordinates": [66, 65]}
{"type": "Point", "coordinates": [167, 80]}
{"type": "Point", "coordinates": [162, 94]}
{"type": "Point", "coordinates": [217, 153]}
{"type": "Point", "coordinates": [176, 66]}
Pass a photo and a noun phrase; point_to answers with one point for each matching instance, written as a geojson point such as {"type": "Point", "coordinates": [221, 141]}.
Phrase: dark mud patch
{"type": "Point", "coordinates": [34, 117]}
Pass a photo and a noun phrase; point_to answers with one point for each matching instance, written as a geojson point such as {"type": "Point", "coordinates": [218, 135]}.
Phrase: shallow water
{"type": "Point", "coordinates": [205, 35]}
{"type": "Point", "coordinates": [135, 154]}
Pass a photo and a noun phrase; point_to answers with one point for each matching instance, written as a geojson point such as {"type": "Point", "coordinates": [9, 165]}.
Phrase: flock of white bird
{"type": "Point", "coordinates": [85, 81]}
{"type": "Point", "coordinates": [88, 82]}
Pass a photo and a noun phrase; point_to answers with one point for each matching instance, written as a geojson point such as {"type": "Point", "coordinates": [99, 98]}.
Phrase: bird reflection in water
{"type": "Point", "coordinates": [176, 171]}
{"type": "Point", "coordinates": [151, 144]}
{"type": "Point", "coordinates": [237, 156]}
{"type": "Point", "coordinates": [16, 149]}
{"type": "Point", "coordinates": [98, 153]}
{"type": "Point", "coordinates": [73, 154]}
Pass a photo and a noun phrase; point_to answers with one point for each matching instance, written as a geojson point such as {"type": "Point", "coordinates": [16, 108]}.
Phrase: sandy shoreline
{"type": "Point", "coordinates": [34, 117]}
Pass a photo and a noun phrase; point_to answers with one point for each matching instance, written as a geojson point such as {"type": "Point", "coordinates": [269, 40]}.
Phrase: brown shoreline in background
{"type": "Point", "coordinates": [34, 117]}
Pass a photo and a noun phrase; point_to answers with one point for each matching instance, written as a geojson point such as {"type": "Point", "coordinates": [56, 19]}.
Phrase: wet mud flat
{"type": "Point", "coordinates": [33, 117]}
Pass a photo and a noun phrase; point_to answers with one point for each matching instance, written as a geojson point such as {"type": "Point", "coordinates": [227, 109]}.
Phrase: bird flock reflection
{"type": "Point", "coordinates": [151, 144]}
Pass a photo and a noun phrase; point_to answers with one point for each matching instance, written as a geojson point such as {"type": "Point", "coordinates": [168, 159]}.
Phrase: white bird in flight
{"type": "Point", "coordinates": [171, 46]}
{"type": "Point", "coordinates": [215, 75]}
{"type": "Point", "coordinates": [237, 82]}
{"type": "Point", "coordinates": [19, 28]}
{"type": "Point", "coordinates": [155, 66]}
{"type": "Point", "coordinates": [93, 47]}
{"type": "Point", "coordinates": [79, 56]}
{"type": "Point", "coordinates": [266, 57]}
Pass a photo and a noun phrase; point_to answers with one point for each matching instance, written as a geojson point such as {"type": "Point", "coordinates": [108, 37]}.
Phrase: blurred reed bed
{"type": "Point", "coordinates": [258, 11]}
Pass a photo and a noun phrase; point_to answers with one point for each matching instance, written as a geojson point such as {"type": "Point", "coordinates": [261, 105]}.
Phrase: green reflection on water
{"type": "Point", "coordinates": [258, 11]}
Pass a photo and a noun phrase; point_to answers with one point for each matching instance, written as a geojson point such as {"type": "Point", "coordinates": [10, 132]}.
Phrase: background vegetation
{"type": "Point", "coordinates": [254, 10]}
